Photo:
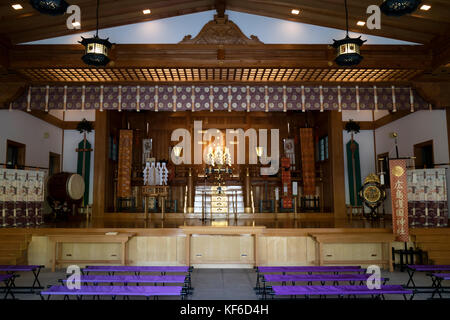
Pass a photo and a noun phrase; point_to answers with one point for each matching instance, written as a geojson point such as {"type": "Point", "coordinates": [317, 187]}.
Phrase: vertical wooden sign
{"type": "Point", "coordinates": [125, 158]}
{"type": "Point", "coordinates": [399, 199]}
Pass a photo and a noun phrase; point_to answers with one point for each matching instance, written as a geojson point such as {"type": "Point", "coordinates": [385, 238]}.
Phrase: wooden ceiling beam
{"type": "Point", "coordinates": [331, 20]}
{"type": "Point", "coordinates": [116, 16]}
{"type": "Point", "coordinates": [357, 11]}
{"type": "Point", "coordinates": [192, 55]}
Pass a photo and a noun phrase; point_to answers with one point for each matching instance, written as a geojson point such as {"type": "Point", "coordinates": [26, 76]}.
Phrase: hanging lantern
{"type": "Point", "coordinates": [348, 49]}
{"type": "Point", "coordinates": [96, 53]}
{"type": "Point", "coordinates": [51, 7]}
{"type": "Point", "coordinates": [399, 8]}
{"type": "Point", "coordinates": [96, 49]}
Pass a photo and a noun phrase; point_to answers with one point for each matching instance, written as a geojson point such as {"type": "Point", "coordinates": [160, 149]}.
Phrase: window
{"type": "Point", "coordinates": [323, 148]}
{"type": "Point", "coordinates": [15, 155]}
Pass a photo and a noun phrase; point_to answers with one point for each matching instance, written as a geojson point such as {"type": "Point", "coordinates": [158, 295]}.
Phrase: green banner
{"type": "Point", "coordinates": [84, 150]}
{"type": "Point", "coordinates": [353, 161]}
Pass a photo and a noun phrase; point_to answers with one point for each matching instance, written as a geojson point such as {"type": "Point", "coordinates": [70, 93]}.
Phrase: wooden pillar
{"type": "Point", "coordinates": [447, 113]}
{"type": "Point", "coordinates": [100, 163]}
{"type": "Point", "coordinates": [191, 192]}
{"type": "Point", "coordinates": [336, 150]}
{"type": "Point", "coordinates": [247, 192]}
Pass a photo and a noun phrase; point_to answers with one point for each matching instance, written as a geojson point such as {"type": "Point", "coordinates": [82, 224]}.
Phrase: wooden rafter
{"type": "Point", "coordinates": [422, 27]}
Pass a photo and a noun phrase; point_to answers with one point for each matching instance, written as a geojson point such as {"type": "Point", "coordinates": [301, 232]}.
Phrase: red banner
{"type": "Point", "coordinates": [308, 165]}
{"type": "Point", "coordinates": [399, 197]}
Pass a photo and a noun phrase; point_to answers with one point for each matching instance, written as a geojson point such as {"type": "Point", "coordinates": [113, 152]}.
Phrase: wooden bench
{"type": "Point", "coordinates": [339, 291]}
{"type": "Point", "coordinates": [13, 270]}
{"type": "Point", "coordinates": [303, 269]}
{"type": "Point", "coordinates": [114, 291]}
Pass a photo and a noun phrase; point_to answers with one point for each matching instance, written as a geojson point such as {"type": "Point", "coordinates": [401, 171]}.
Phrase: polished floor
{"type": "Point", "coordinates": [222, 284]}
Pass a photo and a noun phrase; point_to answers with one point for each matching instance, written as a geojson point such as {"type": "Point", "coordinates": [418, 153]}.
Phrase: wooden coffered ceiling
{"type": "Point", "coordinates": [429, 63]}
{"type": "Point", "coordinates": [423, 26]}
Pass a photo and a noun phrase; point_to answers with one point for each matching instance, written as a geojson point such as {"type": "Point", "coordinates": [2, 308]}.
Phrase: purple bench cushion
{"type": "Point", "coordinates": [132, 279]}
{"type": "Point", "coordinates": [338, 290]}
{"type": "Point", "coordinates": [116, 290]}
{"type": "Point", "coordinates": [311, 269]}
{"type": "Point", "coordinates": [136, 269]}
{"type": "Point", "coordinates": [316, 277]}
{"type": "Point", "coordinates": [443, 276]}
{"type": "Point", "coordinates": [5, 277]}
{"type": "Point", "coordinates": [417, 267]}
{"type": "Point", "coordinates": [18, 268]}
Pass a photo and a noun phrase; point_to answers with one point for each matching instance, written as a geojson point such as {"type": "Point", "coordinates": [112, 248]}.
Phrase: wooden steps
{"type": "Point", "coordinates": [436, 243]}
{"type": "Point", "coordinates": [14, 249]}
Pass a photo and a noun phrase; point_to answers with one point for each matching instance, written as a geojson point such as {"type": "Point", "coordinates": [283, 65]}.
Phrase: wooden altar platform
{"type": "Point", "coordinates": [213, 243]}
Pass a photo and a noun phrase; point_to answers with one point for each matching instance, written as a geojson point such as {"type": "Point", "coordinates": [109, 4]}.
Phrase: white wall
{"type": "Point", "coordinates": [415, 128]}
{"type": "Point", "coordinates": [366, 156]}
{"type": "Point", "coordinates": [71, 140]}
{"type": "Point", "coordinates": [24, 128]}
{"type": "Point", "coordinates": [73, 115]}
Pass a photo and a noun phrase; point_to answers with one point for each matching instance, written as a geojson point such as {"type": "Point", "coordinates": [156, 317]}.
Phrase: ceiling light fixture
{"type": "Point", "coordinates": [146, 11]}
{"type": "Point", "coordinates": [76, 24]}
{"type": "Point", "coordinates": [17, 6]}
{"type": "Point", "coordinates": [361, 23]}
{"type": "Point", "coordinates": [399, 8]}
{"type": "Point", "coordinates": [295, 11]}
{"type": "Point", "coordinates": [51, 7]}
{"type": "Point", "coordinates": [425, 7]}
{"type": "Point", "coordinates": [348, 49]}
{"type": "Point", "coordinates": [96, 49]}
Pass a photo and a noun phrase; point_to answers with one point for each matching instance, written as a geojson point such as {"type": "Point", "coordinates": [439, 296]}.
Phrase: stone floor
{"type": "Point", "coordinates": [221, 284]}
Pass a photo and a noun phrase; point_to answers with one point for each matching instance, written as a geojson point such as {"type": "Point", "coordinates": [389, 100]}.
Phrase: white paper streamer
{"type": "Point", "coordinates": [47, 88]}
{"type": "Point", "coordinates": [101, 98]}
{"type": "Point", "coordinates": [120, 99]}
{"type": "Point", "coordinates": [138, 98]}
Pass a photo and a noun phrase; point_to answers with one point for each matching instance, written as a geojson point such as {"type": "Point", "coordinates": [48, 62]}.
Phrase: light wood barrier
{"type": "Point", "coordinates": [385, 239]}
{"type": "Point", "coordinates": [58, 240]}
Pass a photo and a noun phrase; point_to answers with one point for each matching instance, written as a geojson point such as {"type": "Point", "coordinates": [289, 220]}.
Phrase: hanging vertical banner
{"type": "Point", "coordinates": [353, 172]}
{"type": "Point", "coordinates": [84, 166]}
{"type": "Point", "coordinates": [399, 198]}
{"type": "Point", "coordinates": [125, 158]}
{"type": "Point", "coordinates": [308, 166]}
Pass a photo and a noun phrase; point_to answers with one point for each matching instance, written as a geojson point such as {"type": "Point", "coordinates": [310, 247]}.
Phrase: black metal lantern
{"type": "Point", "coordinates": [399, 8]}
{"type": "Point", "coordinates": [96, 53]}
{"type": "Point", "coordinates": [348, 49]}
{"type": "Point", "coordinates": [51, 7]}
{"type": "Point", "coordinates": [96, 49]}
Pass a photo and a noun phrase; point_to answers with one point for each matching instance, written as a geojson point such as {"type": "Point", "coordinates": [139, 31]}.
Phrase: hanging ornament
{"type": "Point", "coordinates": [51, 7]}
{"type": "Point", "coordinates": [399, 8]}
{"type": "Point", "coordinates": [348, 49]}
{"type": "Point", "coordinates": [96, 49]}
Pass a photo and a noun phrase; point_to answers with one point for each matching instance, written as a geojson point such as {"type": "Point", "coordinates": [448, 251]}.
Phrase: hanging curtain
{"type": "Point", "coordinates": [350, 173]}
{"type": "Point", "coordinates": [86, 165]}
{"type": "Point", "coordinates": [308, 167]}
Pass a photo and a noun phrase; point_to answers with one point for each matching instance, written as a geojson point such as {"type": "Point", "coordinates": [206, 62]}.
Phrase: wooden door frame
{"type": "Point", "coordinates": [57, 155]}
{"type": "Point", "coordinates": [21, 155]}
{"type": "Point", "coordinates": [421, 145]}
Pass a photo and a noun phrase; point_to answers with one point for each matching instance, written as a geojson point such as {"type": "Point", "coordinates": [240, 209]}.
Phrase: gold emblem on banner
{"type": "Point", "coordinates": [398, 171]}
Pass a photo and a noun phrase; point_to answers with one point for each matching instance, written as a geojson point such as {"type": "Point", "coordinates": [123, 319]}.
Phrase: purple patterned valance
{"type": "Point", "coordinates": [220, 97]}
